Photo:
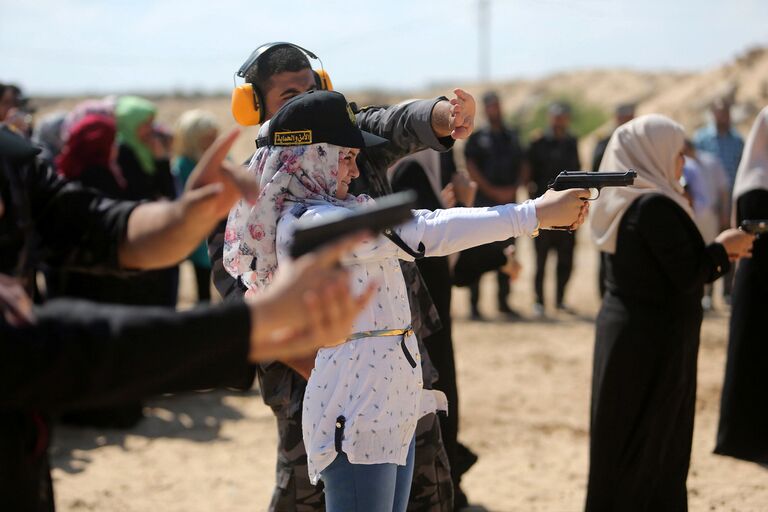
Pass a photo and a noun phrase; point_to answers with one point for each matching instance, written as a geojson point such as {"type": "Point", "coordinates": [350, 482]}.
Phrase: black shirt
{"type": "Point", "coordinates": [597, 156]}
{"type": "Point", "coordinates": [498, 156]}
{"type": "Point", "coordinates": [48, 220]}
{"type": "Point", "coordinates": [548, 156]}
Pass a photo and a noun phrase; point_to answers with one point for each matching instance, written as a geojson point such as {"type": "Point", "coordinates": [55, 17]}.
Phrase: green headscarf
{"type": "Point", "coordinates": [131, 112]}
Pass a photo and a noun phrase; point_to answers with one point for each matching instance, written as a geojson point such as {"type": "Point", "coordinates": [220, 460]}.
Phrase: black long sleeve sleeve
{"type": "Point", "coordinates": [678, 249]}
{"type": "Point", "coordinates": [85, 354]}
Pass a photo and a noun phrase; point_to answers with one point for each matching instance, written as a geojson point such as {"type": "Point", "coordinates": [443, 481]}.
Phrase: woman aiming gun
{"type": "Point", "coordinates": [364, 397]}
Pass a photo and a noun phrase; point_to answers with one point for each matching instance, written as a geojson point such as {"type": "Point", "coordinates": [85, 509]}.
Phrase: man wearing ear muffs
{"type": "Point", "coordinates": [273, 74]}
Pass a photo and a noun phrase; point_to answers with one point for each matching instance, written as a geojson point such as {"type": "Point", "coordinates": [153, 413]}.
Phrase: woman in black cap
{"type": "Point", "coordinates": [363, 398]}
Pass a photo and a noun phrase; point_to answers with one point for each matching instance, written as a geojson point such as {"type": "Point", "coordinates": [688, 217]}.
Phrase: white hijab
{"type": "Point", "coordinates": [650, 145]}
{"type": "Point", "coordinates": [753, 169]}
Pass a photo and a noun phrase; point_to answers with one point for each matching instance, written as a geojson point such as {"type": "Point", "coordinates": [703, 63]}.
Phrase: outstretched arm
{"type": "Point", "coordinates": [75, 353]}
{"type": "Point", "coordinates": [444, 232]}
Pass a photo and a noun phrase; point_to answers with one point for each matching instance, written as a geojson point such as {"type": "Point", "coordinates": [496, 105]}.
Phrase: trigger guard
{"type": "Point", "coordinates": [590, 198]}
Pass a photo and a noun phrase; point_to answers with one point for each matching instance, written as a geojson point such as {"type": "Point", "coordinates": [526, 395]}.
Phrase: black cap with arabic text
{"type": "Point", "coordinates": [314, 117]}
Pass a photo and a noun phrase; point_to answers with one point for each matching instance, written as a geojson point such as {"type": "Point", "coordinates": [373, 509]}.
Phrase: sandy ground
{"type": "Point", "coordinates": [524, 404]}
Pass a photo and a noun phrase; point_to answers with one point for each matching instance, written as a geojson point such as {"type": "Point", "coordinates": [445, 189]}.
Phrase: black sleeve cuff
{"type": "Point", "coordinates": [116, 224]}
{"type": "Point", "coordinates": [446, 142]}
{"type": "Point", "coordinates": [719, 257]}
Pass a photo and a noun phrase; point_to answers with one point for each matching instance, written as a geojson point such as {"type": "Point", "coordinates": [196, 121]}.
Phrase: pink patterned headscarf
{"type": "Point", "coordinates": [102, 107]}
{"type": "Point", "coordinates": [288, 175]}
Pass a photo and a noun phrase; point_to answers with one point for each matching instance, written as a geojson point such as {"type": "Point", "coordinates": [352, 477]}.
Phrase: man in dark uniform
{"type": "Point", "coordinates": [554, 151]}
{"type": "Point", "coordinates": [71, 353]}
{"type": "Point", "coordinates": [494, 161]}
{"type": "Point", "coordinates": [282, 73]}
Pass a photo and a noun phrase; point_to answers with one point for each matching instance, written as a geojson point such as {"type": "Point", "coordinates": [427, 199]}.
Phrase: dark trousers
{"type": "Point", "coordinates": [502, 294]}
{"type": "Point", "coordinates": [493, 252]}
{"type": "Point", "coordinates": [563, 243]}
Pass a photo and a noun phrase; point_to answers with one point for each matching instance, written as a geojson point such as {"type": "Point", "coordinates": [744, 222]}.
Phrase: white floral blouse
{"type": "Point", "coordinates": [365, 396]}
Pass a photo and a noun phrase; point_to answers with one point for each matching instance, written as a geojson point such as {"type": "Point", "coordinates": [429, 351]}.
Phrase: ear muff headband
{"type": "Point", "coordinates": [247, 100]}
{"type": "Point", "coordinates": [261, 50]}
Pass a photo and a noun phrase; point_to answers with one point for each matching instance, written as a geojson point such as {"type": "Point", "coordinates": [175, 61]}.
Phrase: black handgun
{"type": "Point", "coordinates": [597, 180]}
{"type": "Point", "coordinates": [580, 179]}
{"type": "Point", "coordinates": [757, 227]}
{"type": "Point", "coordinates": [389, 211]}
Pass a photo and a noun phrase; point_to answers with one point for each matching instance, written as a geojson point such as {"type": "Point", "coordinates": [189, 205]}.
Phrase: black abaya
{"type": "Point", "coordinates": [743, 429]}
{"type": "Point", "coordinates": [644, 377]}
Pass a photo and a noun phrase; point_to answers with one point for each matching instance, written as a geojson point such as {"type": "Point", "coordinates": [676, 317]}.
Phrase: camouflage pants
{"type": "Point", "coordinates": [431, 491]}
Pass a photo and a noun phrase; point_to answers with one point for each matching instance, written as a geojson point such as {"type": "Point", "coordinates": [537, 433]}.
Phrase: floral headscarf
{"type": "Point", "coordinates": [288, 175]}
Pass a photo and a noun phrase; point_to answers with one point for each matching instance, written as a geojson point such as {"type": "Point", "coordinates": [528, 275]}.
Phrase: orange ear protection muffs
{"type": "Point", "coordinates": [248, 100]}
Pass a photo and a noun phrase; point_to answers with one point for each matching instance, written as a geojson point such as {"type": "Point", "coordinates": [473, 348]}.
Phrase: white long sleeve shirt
{"type": "Point", "coordinates": [375, 383]}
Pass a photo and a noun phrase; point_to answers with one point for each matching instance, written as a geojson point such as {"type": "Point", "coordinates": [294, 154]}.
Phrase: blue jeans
{"type": "Point", "coordinates": [367, 487]}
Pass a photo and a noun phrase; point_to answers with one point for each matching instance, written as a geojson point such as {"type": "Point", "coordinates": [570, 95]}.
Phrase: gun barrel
{"type": "Point", "coordinates": [580, 179]}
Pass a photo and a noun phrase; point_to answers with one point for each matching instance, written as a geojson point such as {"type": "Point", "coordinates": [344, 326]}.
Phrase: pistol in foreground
{"type": "Point", "coordinates": [388, 212]}
{"type": "Point", "coordinates": [756, 227]}
{"type": "Point", "coordinates": [597, 180]}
